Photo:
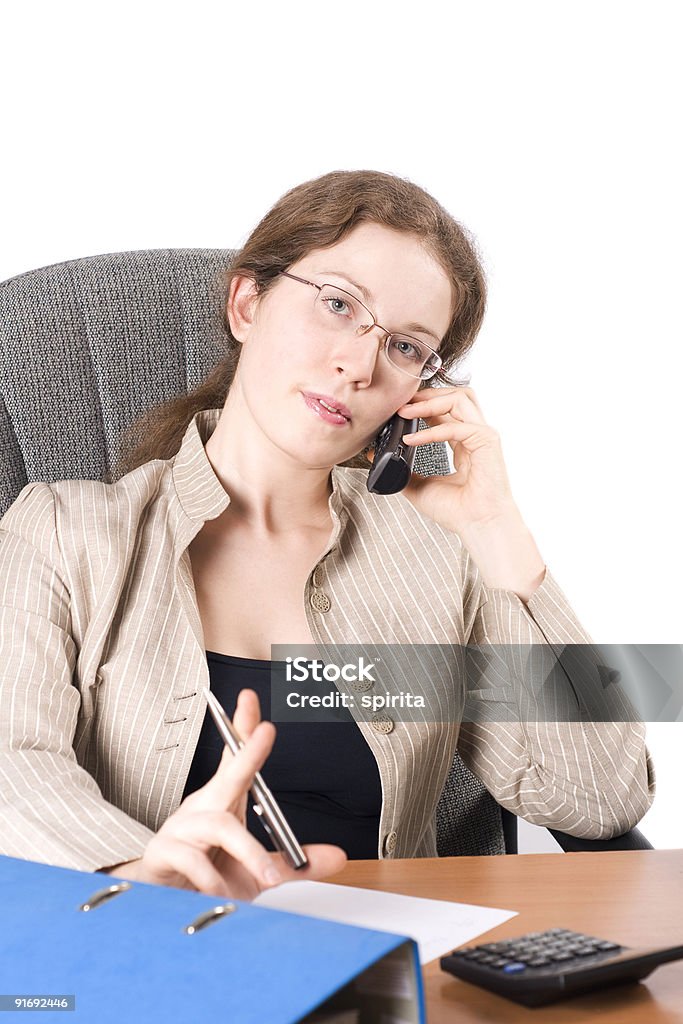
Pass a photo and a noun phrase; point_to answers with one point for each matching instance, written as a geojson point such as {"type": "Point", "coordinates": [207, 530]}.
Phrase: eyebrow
{"type": "Point", "coordinates": [369, 297]}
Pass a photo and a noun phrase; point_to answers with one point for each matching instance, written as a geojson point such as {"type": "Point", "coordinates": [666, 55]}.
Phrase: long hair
{"type": "Point", "coordinates": [315, 215]}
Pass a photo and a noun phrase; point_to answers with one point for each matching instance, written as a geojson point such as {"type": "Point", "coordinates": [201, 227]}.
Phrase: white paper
{"type": "Point", "coordinates": [438, 926]}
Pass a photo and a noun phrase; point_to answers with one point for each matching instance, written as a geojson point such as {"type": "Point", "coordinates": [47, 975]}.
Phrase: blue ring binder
{"type": "Point", "coordinates": [132, 959]}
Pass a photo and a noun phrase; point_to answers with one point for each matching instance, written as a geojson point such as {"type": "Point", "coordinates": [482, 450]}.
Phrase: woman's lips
{"type": "Point", "coordinates": [314, 402]}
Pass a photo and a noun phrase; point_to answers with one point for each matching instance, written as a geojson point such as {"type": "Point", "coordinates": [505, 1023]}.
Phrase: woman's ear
{"type": "Point", "coordinates": [241, 306]}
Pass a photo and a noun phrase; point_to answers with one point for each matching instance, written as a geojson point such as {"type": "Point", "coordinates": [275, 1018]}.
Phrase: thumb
{"type": "Point", "coordinates": [235, 773]}
{"type": "Point", "coordinates": [247, 714]}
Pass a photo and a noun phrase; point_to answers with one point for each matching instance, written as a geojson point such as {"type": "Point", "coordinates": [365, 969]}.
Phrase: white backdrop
{"type": "Point", "coordinates": [551, 130]}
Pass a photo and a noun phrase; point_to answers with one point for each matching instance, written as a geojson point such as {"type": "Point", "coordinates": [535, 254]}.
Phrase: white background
{"type": "Point", "coordinates": [552, 130]}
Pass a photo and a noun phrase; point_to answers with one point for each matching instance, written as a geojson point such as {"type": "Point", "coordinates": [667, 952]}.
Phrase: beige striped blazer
{"type": "Point", "coordinates": [102, 666]}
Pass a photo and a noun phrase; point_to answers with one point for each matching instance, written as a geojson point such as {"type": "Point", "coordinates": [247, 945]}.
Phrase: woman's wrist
{"type": "Point", "coordinates": [506, 555]}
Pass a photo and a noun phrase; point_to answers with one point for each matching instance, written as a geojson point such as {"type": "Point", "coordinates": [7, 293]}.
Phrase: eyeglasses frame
{"type": "Point", "coordinates": [388, 334]}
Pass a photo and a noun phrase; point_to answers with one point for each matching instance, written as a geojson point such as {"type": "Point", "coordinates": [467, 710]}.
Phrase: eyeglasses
{"type": "Point", "coordinates": [339, 312]}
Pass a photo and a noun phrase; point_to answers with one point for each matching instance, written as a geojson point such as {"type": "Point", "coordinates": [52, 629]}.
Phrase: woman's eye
{"type": "Point", "coordinates": [338, 306]}
{"type": "Point", "coordinates": [407, 349]}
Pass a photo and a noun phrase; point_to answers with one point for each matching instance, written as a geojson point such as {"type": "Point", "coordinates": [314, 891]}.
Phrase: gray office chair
{"type": "Point", "coordinates": [89, 345]}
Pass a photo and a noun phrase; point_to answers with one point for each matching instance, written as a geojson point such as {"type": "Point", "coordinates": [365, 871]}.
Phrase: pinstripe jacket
{"type": "Point", "coordinates": [102, 666]}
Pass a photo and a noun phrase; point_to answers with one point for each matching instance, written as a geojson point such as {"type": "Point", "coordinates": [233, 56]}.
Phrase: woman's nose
{"type": "Point", "coordinates": [357, 358]}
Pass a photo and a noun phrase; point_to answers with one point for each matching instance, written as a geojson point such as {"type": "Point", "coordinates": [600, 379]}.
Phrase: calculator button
{"type": "Point", "coordinates": [608, 945]}
{"type": "Point", "coordinates": [487, 958]}
{"type": "Point", "coordinates": [514, 968]}
{"type": "Point", "coordinates": [539, 961]}
{"type": "Point", "coordinates": [561, 957]}
{"type": "Point", "coordinates": [501, 962]}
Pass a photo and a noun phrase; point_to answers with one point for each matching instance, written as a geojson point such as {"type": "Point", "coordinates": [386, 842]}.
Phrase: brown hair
{"type": "Point", "coordinates": [315, 215]}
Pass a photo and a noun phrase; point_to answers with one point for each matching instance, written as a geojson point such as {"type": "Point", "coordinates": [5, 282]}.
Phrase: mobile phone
{"type": "Point", "coordinates": [265, 805]}
{"type": "Point", "coordinates": [393, 462]}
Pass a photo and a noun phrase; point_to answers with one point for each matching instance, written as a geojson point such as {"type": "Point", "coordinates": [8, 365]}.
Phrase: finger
{"type": "Point", "coordinates": [461, 389]}
{"type": "Point", "coordinates": [461, 459]}
{"type": "Point", "coordinates": [235, 772]}
{"type": "Point", "coordinates": [470, 435]}
{"type": "Point", "coordinates": [247, 713]}
{"type": "Point", "coordinates": [453, 402]}
{"type": "Point", "coordinates": [223, 831]}
{"type": "Point", "coordinates": [323, 860]}
{"type": "Point", "coordinates": [457, 406]}
{"type": "Point", "coordinates": [170, 858]}
{"type": "Point", "coordinates": [471, 394]}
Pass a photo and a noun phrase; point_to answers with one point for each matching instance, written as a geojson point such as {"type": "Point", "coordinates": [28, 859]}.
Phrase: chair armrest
{"type": "Point", "coordinates": [633, 840]}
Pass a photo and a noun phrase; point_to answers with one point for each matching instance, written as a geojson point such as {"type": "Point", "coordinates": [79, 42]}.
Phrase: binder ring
{"type": "Point", "coordinates": [102, 895]}
{"type": "Point", "coordinates": [209, 916]}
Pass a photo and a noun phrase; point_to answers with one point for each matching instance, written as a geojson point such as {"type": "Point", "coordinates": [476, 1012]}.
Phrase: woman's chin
{"type": "Point", "coordinates": [311, 453]}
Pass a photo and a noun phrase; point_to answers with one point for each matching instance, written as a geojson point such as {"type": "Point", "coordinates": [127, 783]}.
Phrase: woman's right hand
{"type": "Point", "coordinates": [205, 844]}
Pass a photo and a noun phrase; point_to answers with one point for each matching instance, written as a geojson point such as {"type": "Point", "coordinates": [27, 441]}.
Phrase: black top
{"type": "Point", "coordinates": [323, 775]}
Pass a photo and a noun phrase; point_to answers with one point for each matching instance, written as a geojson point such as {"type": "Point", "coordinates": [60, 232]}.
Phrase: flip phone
{"type": "Point", "coordinates": [393, 463]}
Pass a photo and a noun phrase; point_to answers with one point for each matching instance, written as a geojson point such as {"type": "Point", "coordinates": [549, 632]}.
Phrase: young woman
{"type": "Point", "coordinates": [245, 522]}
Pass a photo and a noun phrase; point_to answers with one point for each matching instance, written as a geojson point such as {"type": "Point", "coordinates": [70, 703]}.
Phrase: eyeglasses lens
{"type": "Point", "coordinates": [338, 311]}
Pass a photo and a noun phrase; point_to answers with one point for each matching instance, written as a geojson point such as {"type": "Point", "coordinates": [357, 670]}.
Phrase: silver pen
{"type": "Point", "coordinates": [265, 804]}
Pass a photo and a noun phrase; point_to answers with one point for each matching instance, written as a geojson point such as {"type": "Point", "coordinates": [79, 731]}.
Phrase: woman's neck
{"type": "Point", "coordinates": [267, 491]}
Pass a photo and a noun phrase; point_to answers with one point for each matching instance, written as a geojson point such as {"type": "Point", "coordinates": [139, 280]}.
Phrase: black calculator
{"type": "Point", "coordinates": [542, 967]}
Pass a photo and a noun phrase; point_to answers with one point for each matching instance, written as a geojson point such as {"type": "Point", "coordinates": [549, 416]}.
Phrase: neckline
{"type": "Point", "coordinates": [232, 659]}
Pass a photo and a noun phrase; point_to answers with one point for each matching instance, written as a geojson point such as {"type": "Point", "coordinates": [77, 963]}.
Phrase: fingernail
{"type": "Point", "coordinates": [272, 875]}
{"type": "Point", "coordinates": [409, 435]}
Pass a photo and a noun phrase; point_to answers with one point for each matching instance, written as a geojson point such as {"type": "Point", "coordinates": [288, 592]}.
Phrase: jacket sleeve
{"type": "Point", "coordinates": [545, 730]}
{"type": "Point", "coordinates": [51, 809]}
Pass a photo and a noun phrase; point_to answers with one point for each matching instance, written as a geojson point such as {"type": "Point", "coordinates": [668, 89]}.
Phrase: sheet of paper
{"type": "Point", "coordinates": [437, 925]}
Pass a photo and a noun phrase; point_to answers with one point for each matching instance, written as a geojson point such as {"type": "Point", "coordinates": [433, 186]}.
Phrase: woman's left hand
{"type": "Point", "coordinates": [478, 493]}
{"type": "Point", "coordinates": [476, 501]}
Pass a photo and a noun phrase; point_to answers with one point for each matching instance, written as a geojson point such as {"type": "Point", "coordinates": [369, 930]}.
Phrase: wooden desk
{"type": "Point", "coordinates": [634, 897]}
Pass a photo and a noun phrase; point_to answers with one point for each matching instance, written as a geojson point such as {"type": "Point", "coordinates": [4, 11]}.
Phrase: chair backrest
{"type": "Point", "coordinates": [89, 345]}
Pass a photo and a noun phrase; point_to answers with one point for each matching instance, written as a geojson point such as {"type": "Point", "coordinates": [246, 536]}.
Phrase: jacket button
{"type": "Point", "coordinates": [382, 723]}
{"type": "Point", "coordinates": [320, 601]}
{"type": "Point", "coordinates": [318, 574]}
{"type": "Point", "coordinates": [390, 840]}
{"type": "Point", "coordinates": [361, 685]}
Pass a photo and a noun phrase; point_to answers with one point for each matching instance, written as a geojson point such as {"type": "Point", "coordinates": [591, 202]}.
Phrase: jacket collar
{"type": "Point", "coordinates": [200, 492]}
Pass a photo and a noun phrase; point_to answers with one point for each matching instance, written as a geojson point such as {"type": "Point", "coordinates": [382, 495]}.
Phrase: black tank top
{"type": "Point", "coordinates": [323, 775]}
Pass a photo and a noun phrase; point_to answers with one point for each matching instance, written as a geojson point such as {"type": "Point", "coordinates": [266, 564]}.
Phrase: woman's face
{"type": "Point", "coordinates": [287, 361]}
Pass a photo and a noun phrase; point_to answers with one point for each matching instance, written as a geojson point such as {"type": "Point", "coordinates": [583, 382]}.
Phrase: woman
{"type": "Point", "coordinates": [246, 523]}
